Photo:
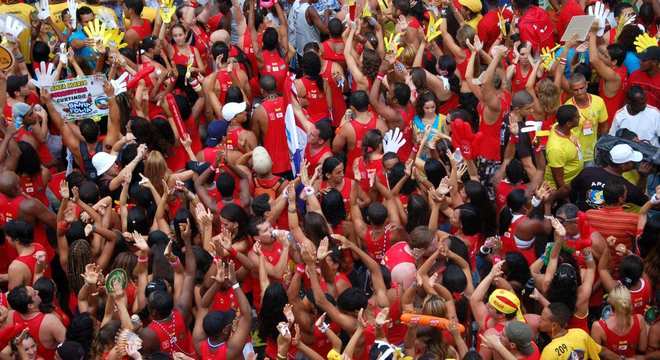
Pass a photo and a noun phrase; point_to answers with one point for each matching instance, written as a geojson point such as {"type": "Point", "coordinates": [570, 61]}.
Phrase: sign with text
{"type": "Point", "coordinates": [80, 98]}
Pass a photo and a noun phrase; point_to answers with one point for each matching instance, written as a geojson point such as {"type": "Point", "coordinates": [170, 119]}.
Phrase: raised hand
{"type": "Point", "coordinates": [13, 27]}
{"type": "Point", "coordinates": [64, 189]}
{"type": "Point", "coordinates": [167, 10]}
{"type": "Point", "coordinates": [73, 9]}
{"type": "Point", "coordinates": [44, 10]}
{"type": "Point", "coordinates": [119, 84]}
{"type": "Point", "coordinates": [644, 41]}
{"type": "Point", "coordinates": [288, 313]}
{"type": "Point", "coordinates": [558, 227]}
{"type": "Point", "coordinates": [393, 141]}
{"type": "Point", "coordinates": [140, 242]}
{"type": "Point", "coordinates": [382, 318]}
{"type": "Point", "coordinates": [601, 12]}
{"type": "Point", "coordinates": [92, 274]}
{"type": "Point", "coordinates": [322, 252]}
{"type": "Point", "coordinates": [45, 75]}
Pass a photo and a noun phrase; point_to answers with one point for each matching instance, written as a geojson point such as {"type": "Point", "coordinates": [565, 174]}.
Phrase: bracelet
{"type": "Point", "coordinates": [535, 201]}
{"type": "Point", "coordinates": [142, 259]}
{"type": "Point", "coordinates": [380, 77]}
{"type": "Point", "coordinates": [562, 61]}
{"type": "Point", "coordinates": [174, 262]}
{"type": "Point", "coordinates": [236, 286]}
{"type": "Point", "coordinates": [232, 252]}
{"type": "Point", "coordinates": [309, 191]}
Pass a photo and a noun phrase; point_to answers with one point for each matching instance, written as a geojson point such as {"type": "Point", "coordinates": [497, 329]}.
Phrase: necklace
{"type": "Point", "coordinates": [213, 346]}
{"type": "Point", "coordinates": [171, 332]}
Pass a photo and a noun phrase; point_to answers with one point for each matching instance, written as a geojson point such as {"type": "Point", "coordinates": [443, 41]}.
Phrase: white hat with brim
{"type": "Point", "coordinates": [624, 153]}
{"type": "Point", "coordinates": [102, 162]}
{"type": "Point", "coordinates": [230, 110]}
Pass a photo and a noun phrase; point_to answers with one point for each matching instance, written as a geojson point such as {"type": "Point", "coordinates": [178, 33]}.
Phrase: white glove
{"type": "Point", "coordinates": [73, 9]}
{"type": "Point", "coordinates": [119, 84]}
{"type": "Point", "coordinates": [13, 27]}
{"type": "Point", "coordinates": [45, 76]}
{"type": "Point", "coordinates": [44, 10]}
{"type": "Point", "coordinates": [532, 126]}
{"type": "Point", "coordinates": [445, 83]}
{"type": "Point", "coordinates": [63, 54]}
{"type": "Point", "coordinates": [600, 12]}
{"type": "Point", "coordinates": [108, 20]}
{"type": "Point", "coordinates": [393, 141]}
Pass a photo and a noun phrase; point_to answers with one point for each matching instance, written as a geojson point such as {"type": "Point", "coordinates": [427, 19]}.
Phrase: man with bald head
{"type": "Point", "coordinates": [14, 205]}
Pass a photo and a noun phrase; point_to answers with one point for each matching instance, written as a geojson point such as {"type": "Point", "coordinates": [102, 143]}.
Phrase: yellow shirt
{"type": "Point", "coordinates": [576, 341]}
{"type": "Point", "coordinates": [562, 152]}
{"type": "Point", "coordinates": [24, 13]}
{"type": "Point", "coordinates": [590, 117]}
{"type": "Point", "coordinates": [56, 12]}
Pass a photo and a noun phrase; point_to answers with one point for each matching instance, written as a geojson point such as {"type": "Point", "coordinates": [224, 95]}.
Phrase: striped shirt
{"type": "Point", "coordinates": [614, 221]}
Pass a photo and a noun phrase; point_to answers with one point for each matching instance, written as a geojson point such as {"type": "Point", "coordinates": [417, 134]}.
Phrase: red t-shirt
{"type": "Point", "coordinates": [571, 8]}
{"type": "Point", "coordinates": [651, 86]}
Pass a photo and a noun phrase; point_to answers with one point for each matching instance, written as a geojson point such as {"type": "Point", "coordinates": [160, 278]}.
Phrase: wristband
{"type": "Point", "coordinates": [562, 61]}
{"type": "Point", "coordinates": [380, 77]}
{"type": "Point", "coordinates": [535, 201]}
{"type": "Point", "coordinates": [143, 259]}
{"type": "Point", "coordinates": [589, 257]}
{"type": "Point", "coordinates": [300, 268]}
{"type": "Point", "coordinates": [174, 262]}
{"type": "Point", "coordinates": [232, 252]}
{"type": "Point", "coordinates": [216, 259]}
{"type": "Point", "coordinates": [309, 191]}
{"type": "Point", "coordinates": [655, 200]}
{"type": "Point", "coordinates": [236, 286]}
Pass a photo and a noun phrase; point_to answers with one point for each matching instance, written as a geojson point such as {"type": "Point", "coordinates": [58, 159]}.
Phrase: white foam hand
{"type": "Point", "coordinates": [44, 10]}
{"type": "Point", "coordinates": [601, 13]}
{"type": "Point", "coordinates": [119, 85]}
{"type": "Point", "coordinates": [45, 75]}
{"type": "Point", "coordinates": [73, 9]}
{"type": "Point", "coordinates": [532, 126]}
{"type": "Point", "coordinates": [445, 82]}
{"type": "Point", "coordinates": [107, 20]}
{"type": "Point", "coordinates": [13, 27]}
{"type": "Point", "coordinates": [393, 141]}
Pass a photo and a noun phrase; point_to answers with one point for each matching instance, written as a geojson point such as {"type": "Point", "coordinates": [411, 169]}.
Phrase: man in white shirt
{"type": "Point", "coordinates": [638, 117]}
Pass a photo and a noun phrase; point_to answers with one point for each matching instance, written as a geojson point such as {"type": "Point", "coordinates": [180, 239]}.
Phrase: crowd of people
{"type": "Point", "coordinates": [323, 179]}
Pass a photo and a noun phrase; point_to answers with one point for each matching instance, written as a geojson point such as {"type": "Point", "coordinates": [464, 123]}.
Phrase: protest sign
{"type": "Point", "coordinates": [80, 98]}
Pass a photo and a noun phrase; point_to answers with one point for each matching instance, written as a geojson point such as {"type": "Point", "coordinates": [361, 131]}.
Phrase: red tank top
{"type": "Point", "coordinates": [509, 241]}
{"type": "Point", "coordinates": [377, 246]}
{"type": "Point", "coordinates": [30, 261]}
{"type": "Point", "coordinates": [202, 42]}
{"type": "Point", "coordinates": [34, 325]}
{"type": "Point", "coordinates": [338, 101]}
{"type": "Point", "coordinates": [360, 131]}
{"type": "Point", "coordinates": [578, 323]}
{"type": "Point", "coordinates": [622, 345]}
{"type": "Point", "coordinates": [614, 103]}
{"type": "Point", "coordinates": [35, 187]}
{"type": "Point", "coordinates": [143, 30]}
{"type": "Point", "coordinates": [10, 210]}
{"type": "Point", "coordinates": [224, 80]}
{"type": "Point", "coordinates": [447, 106]}
{"type": "Point", "coordinates": [345, 192]}
{"type": "Point", "coordinates": [314, 160]}
{"type": "Point", "coordinates": [463, 66]}
{"type": "Point", "coordinates": [489, 148]}
{"type": "Point", "coordinates": [274, 138]}
{"type": "Point", "coordinates": [180, 58]}
{"type": "Point", "coordinates": [503, 189]}
{"type": "Point", "coordinates": [275, 66]}
{"type": "Point", "coordinates": [407, 115]}
{"type": "Point", "coordinates": [217, 352]}
{"type": "Point", "coordinates": [249, 50]}
{"type": "Point", "coordinates": [232, 138]}
{"type": "Point", "coordinates": [519, 80]}
{"type": "Point", "coordinates": [173, 335]}
{"type": "Point", "coordinates": [640, 298]}
{"type": "Point", "coordinates": [271, 255]}
{"type": "Point", "coordinates": [396, 255]}
{"type": "Point", "coordinates": [330, 54]}
{"type": "Point", "coordinates": [317, 105]}
{"type": "Point", "coordinates": [42, 149]}
{"type": "Point", "coordinates": [368, 171]}
{"type": "Point", "coordinates": [224, 301]}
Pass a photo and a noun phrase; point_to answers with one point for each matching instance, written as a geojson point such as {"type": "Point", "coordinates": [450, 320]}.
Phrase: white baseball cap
{"type": "Point", "coordinates": [262, 164]}
{"type": "Point", "coordinates": [624, 153]}
{"type": "Point", "coordinates": [230, 110]}
{"type": "Point", "coordinates": [102, 162]}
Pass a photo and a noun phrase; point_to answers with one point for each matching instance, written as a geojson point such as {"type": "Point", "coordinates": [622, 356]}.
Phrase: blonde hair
{"type": "Point", "coordinates": [548, 95]}
{"type": "Point", "coordinates": [155, 168]}
{"type": "Point", "coordinates": [434, 305]}
{"type": "Point", "coordinates": [619, 298]}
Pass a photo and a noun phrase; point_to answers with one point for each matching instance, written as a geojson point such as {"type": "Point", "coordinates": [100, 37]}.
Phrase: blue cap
{"type": "Point", "coordinates": [216, 130]}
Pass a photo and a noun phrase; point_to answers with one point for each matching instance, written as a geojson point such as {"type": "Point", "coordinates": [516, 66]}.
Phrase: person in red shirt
{"type": "Point", "coordinates": [31, 256]}
{"type": "Point", "coordinates": [222, 341]}
{"type": "Point", "coordinates": [534, 25]}
{"type": "Point", "coordinates": [567, 10]}
{"type": "Point", "coordinates": [648, 75]}
{"type": "Point", "coordinates": [268, 122]}
{"type": "Point", "coordinates": [489, 27]}
{"type": "Point", "coordinates": [140, 28]}
{"type": "Point", "coordinates": [312, 92]}
{"type": "Point", "coordinates": [612, 72]}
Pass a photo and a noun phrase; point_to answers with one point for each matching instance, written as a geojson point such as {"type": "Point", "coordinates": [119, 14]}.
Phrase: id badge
{"type": "Point", "coordinates": [587, 129]}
